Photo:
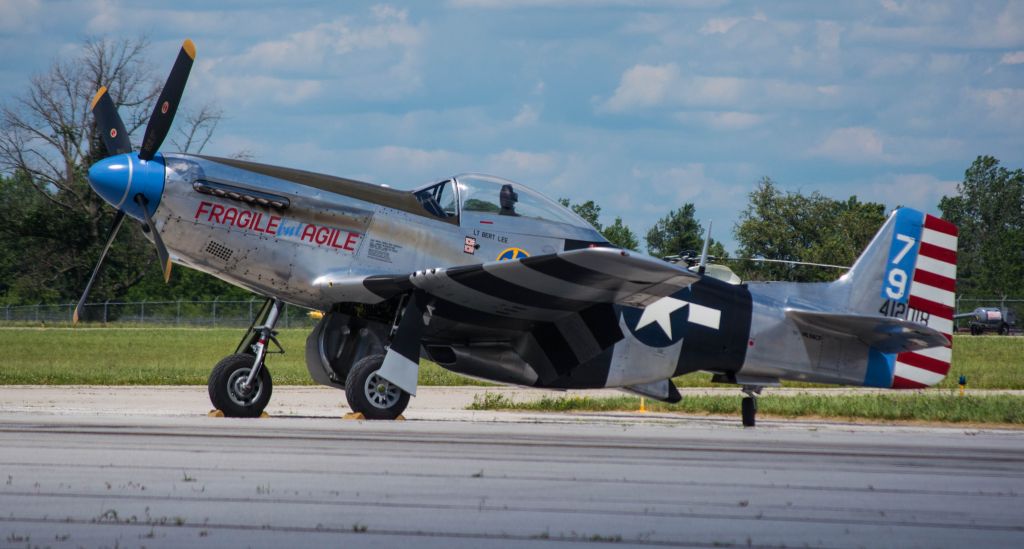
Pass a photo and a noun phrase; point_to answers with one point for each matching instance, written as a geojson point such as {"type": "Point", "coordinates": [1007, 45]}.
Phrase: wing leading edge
{"type": "Point", "coordinates": [539, 288]}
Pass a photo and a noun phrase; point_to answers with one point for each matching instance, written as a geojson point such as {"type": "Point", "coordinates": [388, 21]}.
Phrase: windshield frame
{"type": "Point", "coordinates": [571, 218]}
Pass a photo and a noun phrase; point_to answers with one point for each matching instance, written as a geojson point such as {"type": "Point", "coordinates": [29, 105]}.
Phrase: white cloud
{"type": "Point", "coordinates": [676, 185]}
{"type": "Point", "coordinates": [514, 4]}
{"type": "Point", "coordinates": [246, 90]}
{"type": "Point", "coordinates": [313, 48]}
{"type": "Point", "coordinates": [1006, 28]}
{"type": "Point", "coordinates": [949, 24]}
{"type": "Point", "coordinates": [867, 146]}
{"type": "Point", "coordinates": [527, 116]}
{"type": "Point", "coordinates": [856, 144]}
{"type": "Point", "coordinates": [723, 120]}
{"type": "Point", "coordinates": [647, 86]}
{"type": "Point", "coordinates": [1012, 58]}
{"type": "Point", "coordinates": [19, 15]}
{"type": "Point", "coordinates": [644, 86]}
{"type": "Point", "coordinates": [373, 56]}
{"type": "Point", "coordinates": [893, 6]}
{"type": "Point", "coordinates": [719, 25]}
{"type": "Point", "coordinates": [421, 161]}
{"type": "Point", "coordinates": [1002, 106]}
{"type": "Point", "coordinates": [886, 64]}
{"type": "Point", "coordinates": [828, 35]}
{"type": "Point", "coordinates": [517, 163]}
{"type": "Point", "coordinates": [946, 63]}
{"type": "Point", "coordinates": [916, 190]}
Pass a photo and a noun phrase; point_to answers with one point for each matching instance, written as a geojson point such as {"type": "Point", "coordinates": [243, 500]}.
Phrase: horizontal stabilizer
{"type": "Point", "coordinates": [886, 334]}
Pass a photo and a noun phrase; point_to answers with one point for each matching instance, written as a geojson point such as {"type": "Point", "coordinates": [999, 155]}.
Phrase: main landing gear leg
{"type": "Point", "coordinates": [379, 386]}
{"type": "Point", "coordinates": [240, 384]}
{"type": "Point", "coordinates": [749, 407]}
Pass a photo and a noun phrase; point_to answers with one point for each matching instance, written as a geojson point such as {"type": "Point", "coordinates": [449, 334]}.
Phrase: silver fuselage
{"type": "Point", "coordinates": [352, 230]}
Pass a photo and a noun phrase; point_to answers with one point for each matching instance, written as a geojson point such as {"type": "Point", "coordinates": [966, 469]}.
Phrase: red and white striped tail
{"type": "Point", "coordinates": [933, 291]}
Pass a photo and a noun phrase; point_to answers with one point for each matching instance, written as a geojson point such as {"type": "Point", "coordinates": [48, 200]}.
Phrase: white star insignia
{"type": "Point", "coordinates": [661, 312]}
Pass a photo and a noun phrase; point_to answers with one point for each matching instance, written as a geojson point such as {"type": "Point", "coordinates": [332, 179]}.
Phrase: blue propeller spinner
{"type": "Point", "coordinates": [133, 182]}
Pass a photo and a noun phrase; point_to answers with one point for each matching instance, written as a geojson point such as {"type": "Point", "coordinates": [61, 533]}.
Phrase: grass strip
{"type": "Point", "coordinates": [935, 407]}
{"type": "Point", "coordinates": [185, 356]}
{"type": "Point", "coordinates": [152, 356]}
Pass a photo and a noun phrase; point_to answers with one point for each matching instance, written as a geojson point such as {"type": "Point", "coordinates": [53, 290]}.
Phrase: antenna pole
{"type": "Point", "coordinates": [704, 254]}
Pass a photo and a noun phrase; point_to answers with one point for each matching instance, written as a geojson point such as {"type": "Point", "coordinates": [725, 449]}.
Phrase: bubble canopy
{"type": "Point", "coordinates": [487, 194]}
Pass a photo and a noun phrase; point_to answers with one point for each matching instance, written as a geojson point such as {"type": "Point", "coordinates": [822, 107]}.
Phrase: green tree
{"type": "Point", "coordinates": [617, 233]}
{"type": "Point", "coordinates": [589, 211]}
{"type": "Point", "coordinates": [809, 228]}
{"type": "Point", "coordinates": [989, 211]}
{"type": "Point", "coordinates": [620, 235]}
{"type": "Point", "coordinates": [679, 232]}
{"type": "Point", "coordinates": [48, 140]}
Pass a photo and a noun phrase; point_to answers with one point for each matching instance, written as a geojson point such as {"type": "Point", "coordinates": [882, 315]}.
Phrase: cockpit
{"type": "Point", "coordinates": [475, 194]}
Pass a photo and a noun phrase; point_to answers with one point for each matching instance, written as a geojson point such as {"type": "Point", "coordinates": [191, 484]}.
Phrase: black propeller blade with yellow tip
{"type": "Point", "coordinates": [115, 138]}
{"type": "Point", "coordinates": [167, 104]}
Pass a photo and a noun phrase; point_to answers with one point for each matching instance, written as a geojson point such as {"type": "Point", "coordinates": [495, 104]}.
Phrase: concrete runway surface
{"type": "Point", "coordinates": [110, 475]}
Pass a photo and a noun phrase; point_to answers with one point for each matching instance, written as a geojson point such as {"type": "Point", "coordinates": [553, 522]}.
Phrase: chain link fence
{"type": "Point", "coordinates": [216, 313]}
{"type": "Point", "coordinates": [241, 313]}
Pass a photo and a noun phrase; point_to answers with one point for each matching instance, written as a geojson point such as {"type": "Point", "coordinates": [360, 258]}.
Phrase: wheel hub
{"type": "Point", "coordinates": [380, 392]}
{"type": "Point", "coordinates": [241, 394]}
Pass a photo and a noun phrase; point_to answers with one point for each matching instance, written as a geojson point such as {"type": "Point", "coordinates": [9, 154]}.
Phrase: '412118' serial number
{"type": "Point", "coordinates": [896, 309]}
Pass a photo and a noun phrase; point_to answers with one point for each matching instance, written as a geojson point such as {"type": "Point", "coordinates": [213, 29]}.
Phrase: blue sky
{"type": "Point", "coordinates": [639, 105]}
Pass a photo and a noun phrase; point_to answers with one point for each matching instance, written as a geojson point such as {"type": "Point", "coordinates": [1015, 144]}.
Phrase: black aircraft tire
{"type": "Point", "coordinates": [749, 409]}
{"type": "Point", "coordinates": [369, 394]}
{"type": "Point", "coordinates": [225, 387]}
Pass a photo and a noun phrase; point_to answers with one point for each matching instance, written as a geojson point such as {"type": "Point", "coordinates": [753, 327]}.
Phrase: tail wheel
{"type": "Point", "coordinates": [227, 387]}
{"type": "Point", "coordinates": [749, 410]}
{"type": "Point", "coordinates": [372, 395]}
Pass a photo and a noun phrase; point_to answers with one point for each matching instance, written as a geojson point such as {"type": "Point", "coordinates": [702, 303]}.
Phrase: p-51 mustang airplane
{"type": "Point", "coordinates": [490, 279]}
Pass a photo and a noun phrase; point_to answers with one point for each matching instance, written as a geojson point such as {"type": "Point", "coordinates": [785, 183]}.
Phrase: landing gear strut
{"type": "Point", "coordinates": [240, 384]}
{"type": "Point", "coordinates": [749, 407]}
{"type": "Point", "coordinates": [379, 385]}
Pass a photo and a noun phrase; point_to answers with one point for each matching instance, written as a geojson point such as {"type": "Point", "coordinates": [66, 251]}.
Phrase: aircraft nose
{"type": "Point", "coordinates": [119, 179]}
{"type": "Point", "coordinates": [111, 177]}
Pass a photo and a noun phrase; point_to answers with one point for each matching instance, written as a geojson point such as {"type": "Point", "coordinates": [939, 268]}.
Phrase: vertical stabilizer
{"type": "Point", "coordinates": [908, 271]}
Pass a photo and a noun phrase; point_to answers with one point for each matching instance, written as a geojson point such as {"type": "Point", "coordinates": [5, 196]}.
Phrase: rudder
{"type": "Point", "coordinates": [908, 271]}
{"type": "Point", "coordinates": [932, 293]}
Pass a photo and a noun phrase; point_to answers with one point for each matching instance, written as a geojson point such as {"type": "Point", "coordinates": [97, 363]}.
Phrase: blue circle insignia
{"type": "Point", "coordinates": [512, 253]}
{"type": "Point", "coordinates": [663, 325]}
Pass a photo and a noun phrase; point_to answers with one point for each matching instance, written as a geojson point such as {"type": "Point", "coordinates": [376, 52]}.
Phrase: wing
{"type": "Point", "coordinates": [888, 335]}
{"type": "Point", "coordinates": [539, 288]}
{"type": "Point", "coordinates": [553, 311]}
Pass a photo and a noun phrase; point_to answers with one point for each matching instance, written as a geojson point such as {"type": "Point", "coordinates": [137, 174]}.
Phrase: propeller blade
{"type": "Point", "coordinates": [167, 105]}
{"type": "Point", "coordinates": [118, 218]}
{"type": "Point", "coordinates": [161, 250]}
{"type": "Point", "coordinates": [115, 137]}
